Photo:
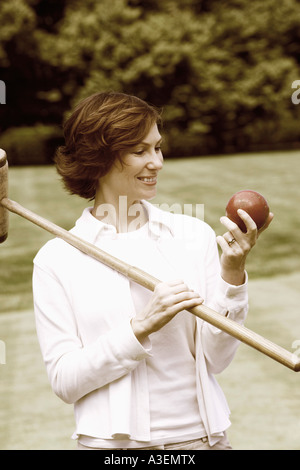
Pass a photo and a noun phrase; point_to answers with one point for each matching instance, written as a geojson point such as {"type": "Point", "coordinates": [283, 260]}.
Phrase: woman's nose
{"type": "Point", "coordinates": [155, 161]}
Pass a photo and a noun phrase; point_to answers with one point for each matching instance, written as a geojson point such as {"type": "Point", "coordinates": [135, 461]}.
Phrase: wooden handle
{"type": "Point", "coordinates": [234, 329]}
{"type": "Point", "coordinates": [248, 337]}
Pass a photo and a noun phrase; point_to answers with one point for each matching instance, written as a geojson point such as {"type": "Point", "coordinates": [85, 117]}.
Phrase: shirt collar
{"type": "Point", "coordinates": [89, 228]}
{"type": "Point", "coordinates": [160, 222]}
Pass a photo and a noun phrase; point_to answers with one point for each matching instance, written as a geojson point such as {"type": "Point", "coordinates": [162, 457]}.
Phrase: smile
{"type": "Point", "coordinates": [147, 179]}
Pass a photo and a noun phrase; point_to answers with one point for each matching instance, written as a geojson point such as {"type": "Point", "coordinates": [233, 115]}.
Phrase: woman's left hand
{"type": "Point", "coordinates": [236, 245]}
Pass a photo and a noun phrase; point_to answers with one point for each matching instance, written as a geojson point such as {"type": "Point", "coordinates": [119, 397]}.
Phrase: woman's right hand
{"type": "Point", "coordinates": [168, 299]}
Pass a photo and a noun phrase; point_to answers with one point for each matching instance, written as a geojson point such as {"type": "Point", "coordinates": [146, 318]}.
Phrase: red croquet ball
{"type": "Point", "coordinates": [251, 202]}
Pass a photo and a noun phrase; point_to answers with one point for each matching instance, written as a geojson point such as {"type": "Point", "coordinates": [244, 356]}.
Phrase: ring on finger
{"type": "Point", "coordinates": [232, 241]}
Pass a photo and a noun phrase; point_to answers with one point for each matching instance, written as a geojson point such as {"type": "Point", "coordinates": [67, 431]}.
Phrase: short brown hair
{"type": "Point", "coordinates": [101, 127]}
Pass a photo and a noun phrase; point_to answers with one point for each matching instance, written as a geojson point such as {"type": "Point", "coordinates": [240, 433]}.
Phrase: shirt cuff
{"type": "Point", "coordinates": [236, 293]}
{"type": "Point", "coordinates": [232, 300]}
{"type": "Point", "coordinates": [128, 347]}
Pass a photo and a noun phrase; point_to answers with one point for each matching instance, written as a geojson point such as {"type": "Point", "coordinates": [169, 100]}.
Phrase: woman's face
{"type": "Point", "coordinates": [136, 176]}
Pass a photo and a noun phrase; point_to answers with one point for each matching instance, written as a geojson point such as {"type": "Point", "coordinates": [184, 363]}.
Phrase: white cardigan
{"type": "Point", "coordinates": [83, 311]}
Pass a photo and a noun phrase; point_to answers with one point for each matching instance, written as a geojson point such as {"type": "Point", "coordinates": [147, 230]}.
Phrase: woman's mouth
{"type": "Point", "coordinates": [148, 179]}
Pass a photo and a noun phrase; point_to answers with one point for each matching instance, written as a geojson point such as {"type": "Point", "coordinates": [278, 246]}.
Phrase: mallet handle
{"type": "Point", "coordinates": [234, 329]}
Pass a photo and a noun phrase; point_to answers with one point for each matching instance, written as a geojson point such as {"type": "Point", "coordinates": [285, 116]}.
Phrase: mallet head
{"type": "Point", "coordinates": [3, 194]}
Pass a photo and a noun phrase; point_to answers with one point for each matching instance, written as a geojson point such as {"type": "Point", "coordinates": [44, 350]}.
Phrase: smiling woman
{"type": "Point", "coordinates": [134, 175]}
{"type": "Point", "coordinates": [102, 128]}
{"type": "Point", "coordinates": [137, 366]}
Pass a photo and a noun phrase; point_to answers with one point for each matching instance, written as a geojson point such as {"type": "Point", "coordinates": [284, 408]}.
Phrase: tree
{"type": "Point", "coordinates": [222, 70]}
{"type": "Point", "coordinates": [27, 75]}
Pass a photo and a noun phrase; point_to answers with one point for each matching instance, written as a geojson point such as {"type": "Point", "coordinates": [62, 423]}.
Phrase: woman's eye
{"type": "Point", "coordinates": [141, 152]}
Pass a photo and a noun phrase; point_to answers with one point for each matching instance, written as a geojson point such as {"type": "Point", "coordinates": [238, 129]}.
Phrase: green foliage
{"type": "Point", "coordinates": [31, 145]}
{"type": "Point", "coordinates": [17, 20]}
{"type": "Point", "coordinates": [222, 70]}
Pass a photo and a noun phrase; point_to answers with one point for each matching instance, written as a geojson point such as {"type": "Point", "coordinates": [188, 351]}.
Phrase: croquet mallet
{"type": "Point", "coordinates": [234, 329]}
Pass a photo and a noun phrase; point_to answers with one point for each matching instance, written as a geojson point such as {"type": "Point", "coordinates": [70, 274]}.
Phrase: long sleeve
{"type": "Point", "coordinates": [75, 369]}
{"type": "Point", "coordinates": [219, 347]}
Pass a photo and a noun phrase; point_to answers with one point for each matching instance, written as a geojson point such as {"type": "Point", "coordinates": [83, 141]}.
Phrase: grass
{"type": "Point", "coordinates": [212, 181]}
{"type": "Point", "coordinates": [31, 416]}
{"type": "Point", "coordinates": [263, 395]}
{"type": "Point", "coordinates": [209, 181]}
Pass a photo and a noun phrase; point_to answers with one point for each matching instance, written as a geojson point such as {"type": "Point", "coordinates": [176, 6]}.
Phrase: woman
{"type": "Point", "coordinates": [138, 367]}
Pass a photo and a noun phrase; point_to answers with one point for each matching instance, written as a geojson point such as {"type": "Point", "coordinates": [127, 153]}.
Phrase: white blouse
{"type": "Point", "coordinates": [125, 392]}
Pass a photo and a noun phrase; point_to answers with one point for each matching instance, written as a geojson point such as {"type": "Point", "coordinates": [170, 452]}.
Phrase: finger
{"type": "Point", "coordinates": [234, 228]}
{"type": "Point", "coordinates": [229, 237]}
{"type": "Point", "coordinates": [223, 243]}
{"type": "Point", "coordinates": [169, 286]}
{"type": "Point", "coordinates": [233, 236]}
{"type": "Point", "coordinates": [190, 295]}
{"type": "Point", "coordinates": [184, 305]}
{"type": "Point", "coordinates": [173, 282]}
{"type": "Point", "coordinates": [248, 221]}
{"type": "Point", "coordinates": [266, 225]}
{"type": "Point", "coordinates": [169, 293]}
{"type": "Point", "coordinates": [231, 226]}
{"type": "Point", "coordinates": [177, 286]}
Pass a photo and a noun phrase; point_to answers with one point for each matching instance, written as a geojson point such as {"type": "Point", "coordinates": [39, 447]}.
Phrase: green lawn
{"type": "Point", "coordinates": [209, 181]}
{"type": "Point", "coordinates": [263, 395]}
